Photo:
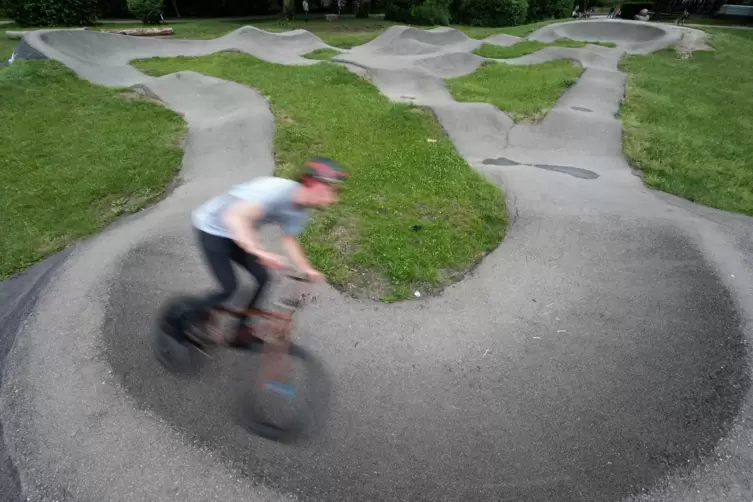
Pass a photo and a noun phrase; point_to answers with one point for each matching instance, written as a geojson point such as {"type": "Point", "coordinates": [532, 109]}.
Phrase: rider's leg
{"type": "Point", "coordinates": [257, 270]}
{"type": "Point", "coordinates": [218, 253]}
{"type": "Point", "coordinates": [251, 263]}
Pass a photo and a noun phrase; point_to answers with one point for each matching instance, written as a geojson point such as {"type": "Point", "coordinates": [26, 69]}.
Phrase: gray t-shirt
{"type": "Point", "coordinates": [275, 195]}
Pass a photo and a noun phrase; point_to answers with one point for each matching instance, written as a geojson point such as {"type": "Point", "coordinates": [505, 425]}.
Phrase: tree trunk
{"type": "Point", "coordinates": [175, 6]}
{"type": "Point", "coordinates": [362, 8]}
{"type": "Point", "coordinates": [288, 9]}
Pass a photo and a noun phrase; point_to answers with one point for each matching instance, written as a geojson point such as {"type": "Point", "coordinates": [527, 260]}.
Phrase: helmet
{"type": "Point", "coordinates": [325, 170]}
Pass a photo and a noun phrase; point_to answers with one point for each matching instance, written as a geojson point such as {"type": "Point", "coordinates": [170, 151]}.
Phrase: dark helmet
{"type": "Point", "coordinates": [325, 170]}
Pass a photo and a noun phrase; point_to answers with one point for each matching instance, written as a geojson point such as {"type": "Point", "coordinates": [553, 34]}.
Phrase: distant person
{"type": "Point", "coordinates": [685, 14]}
{"type": "Point", "coordinates": [576, 11]}
{"type": "Point", "coordinates": [611, 12]}
{"type": "Point", "coordinates": [306, 10]}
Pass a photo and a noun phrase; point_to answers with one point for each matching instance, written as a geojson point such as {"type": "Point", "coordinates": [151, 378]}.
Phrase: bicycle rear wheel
{"type": "Point", "coordinates": [171, 345]}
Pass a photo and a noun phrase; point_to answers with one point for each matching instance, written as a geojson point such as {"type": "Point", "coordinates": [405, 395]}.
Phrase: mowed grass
{"type": "Point", "coordinates": [73, 157]}
{"type": "Point", "coordinates": [529, 46]}
{"type": "Point", "coordinates": [525, 93]}
{"type": "Point", "coordinates": [688, 123]}
{"type": "Point", "coordinates": [414, 216]}
{"type": "Point", "coordinates": [6, 46]}
{"type": "Point", "coordinates": [346, 32]}
{"type": "Point", "coordinates": [479, 32]}
{"type": "Point", "coordinates": [322, 54]}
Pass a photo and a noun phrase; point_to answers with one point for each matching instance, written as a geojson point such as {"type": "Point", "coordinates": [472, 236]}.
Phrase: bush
{"type": "Point", "coordinates": [399, 11]}
{"type": "Point", "coordinates": [147, 11]}
{"type": "Point", "coordinates": [539, 10]}
{"type": "Point", "coordinates": [50, 12]}
{"type": "Point", "coordinates": [492, 13]}
{"type": "Point", "coordinates": [630, 9]}
{"type": "Point", "coordinates": [431, 13]}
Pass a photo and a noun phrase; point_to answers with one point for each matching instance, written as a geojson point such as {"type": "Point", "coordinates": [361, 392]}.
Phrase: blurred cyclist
{"type": "Point", "coordinates": [227, 225]}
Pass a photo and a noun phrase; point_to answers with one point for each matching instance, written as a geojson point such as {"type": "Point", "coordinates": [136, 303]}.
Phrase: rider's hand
{"type": "Point", "coordinates": [314, 275]}
{"type": "Point", "coordinates": [272, 260]}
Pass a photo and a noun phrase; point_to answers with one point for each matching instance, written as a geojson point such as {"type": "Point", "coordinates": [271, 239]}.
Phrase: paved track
{"type": "Point", "coordinates": [599, 353]}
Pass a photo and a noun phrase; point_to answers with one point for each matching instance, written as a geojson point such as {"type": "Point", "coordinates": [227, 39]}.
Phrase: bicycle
{"type": "Point", "coordinates": [186, 327]}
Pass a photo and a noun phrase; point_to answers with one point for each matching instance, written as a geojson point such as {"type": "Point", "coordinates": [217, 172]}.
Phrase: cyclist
{"type": "Point", "coordinates": [227, 224]}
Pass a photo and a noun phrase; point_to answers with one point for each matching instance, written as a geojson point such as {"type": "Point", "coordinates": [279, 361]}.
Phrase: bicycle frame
{"type": "Point", "coordinates": [274, 322]}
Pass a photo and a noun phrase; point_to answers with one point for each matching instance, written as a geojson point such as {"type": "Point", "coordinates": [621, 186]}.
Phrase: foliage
{"type": "Point", "coordinates": [399, 11]}
{"type": "Point", "coordinates": [630, 9]}
{"type": "Point", "coordinates": [50, 12]}
{"type": "Point", "coordinates": [548, 9]}
{"type": "Point", "coordinates": [362, 8]}
{"type": "Point", "coordinates": [491, 12]}
{"type": "Point", "coordinates": [431, 13]}
{"type": "Point", "coordinates": [288, 9]}
{"type": "Point", "coordinates": [147, 11]}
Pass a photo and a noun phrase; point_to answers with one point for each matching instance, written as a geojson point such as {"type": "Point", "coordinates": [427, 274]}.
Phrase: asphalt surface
{"type": "Point", "coordinates": [600, 353]}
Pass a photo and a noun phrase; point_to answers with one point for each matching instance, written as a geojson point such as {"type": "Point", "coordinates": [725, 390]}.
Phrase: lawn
{"type": "Point", "coordinates": [527, 93]}
{"type": "Point", "coordinates": [479, 32]}
{"type": "Point", "coordinates": [74, 156]}
{"type": "Point", "coordinates": [346, 33]}
{"type": "Point", "coordinates": [6, 47]}
{"type": "Point", "coordinates": [529, 46]}
{"type": "Point", "coordinates": [415, 215]}
{"type": "Point", "coordinates": [688, 123]}
{"type": "Point", "coordinates": [322, 54]}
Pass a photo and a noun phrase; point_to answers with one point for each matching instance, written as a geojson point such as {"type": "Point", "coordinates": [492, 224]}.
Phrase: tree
{"type": "Point", "coordinates": [288, 9]}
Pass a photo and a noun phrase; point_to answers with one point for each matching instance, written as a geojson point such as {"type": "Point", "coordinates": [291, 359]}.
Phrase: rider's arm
{"type": "Point", "coordinates": [240, 219]}
{"type": "Point", "coordinates": [295, 251]}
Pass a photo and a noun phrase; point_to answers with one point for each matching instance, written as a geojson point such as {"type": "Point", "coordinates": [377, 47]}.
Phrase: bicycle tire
{"type": "Point", "coordinates": [253, 420]}
{"type": "Point", "coordinates": [170, 345]}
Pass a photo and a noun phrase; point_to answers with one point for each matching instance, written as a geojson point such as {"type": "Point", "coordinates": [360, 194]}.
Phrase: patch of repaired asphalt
{"type": "Point", "coordinates": [648, 377]}
{"type": "Point", "coordinates": [576, 172]}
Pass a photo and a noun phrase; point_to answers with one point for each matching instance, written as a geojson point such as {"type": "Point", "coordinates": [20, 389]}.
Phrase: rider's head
{"type": "Point", "coordinates": [321, 181]}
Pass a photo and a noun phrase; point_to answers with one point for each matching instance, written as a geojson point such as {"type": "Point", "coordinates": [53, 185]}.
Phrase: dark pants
{"type": "Point", "coordinates": [219, 253]}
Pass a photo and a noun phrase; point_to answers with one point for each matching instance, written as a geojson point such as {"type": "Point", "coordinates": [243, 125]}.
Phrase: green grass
{"type": "Point", "coordinates": [73, 157]}
{"type": "Point", "coordinates": [346, 33]}
{"type": "Point", "coordinates": [688, 123]}
{"type": "Point", "coordinates": [718, 22]}
{"type": "Point", "coordinates": [526, 93]}
{"type": "Point", "coordinates": [322, 54]}
{"type": "Point", "coordinates": [528, 46]}
{"type": "Point", "coordinates": [479, 32]}
{"type": "Point", "coordinates": [414, 215]}
{"type": "Point", "coordinates": [6, 46]}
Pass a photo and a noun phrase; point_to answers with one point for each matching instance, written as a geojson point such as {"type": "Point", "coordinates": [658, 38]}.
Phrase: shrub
{"type": "Point", "coordinates": [50, 12]}
{"type": "Point", "coordinates": [399, 11]}
{"type": "Point", "coordinates": [492, 12]}
{"type": "Point", "coordinates": [147, 11]}
{"type": "Point", "coordinates": [538, 10]}
{"type": "Point", "coordinates": [630, 9]}
{"type": "Point", "coordinates": [431, 13]}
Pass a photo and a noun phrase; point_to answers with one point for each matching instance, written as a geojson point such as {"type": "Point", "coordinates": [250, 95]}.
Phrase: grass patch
{"type": "Point", "coordinates": [529, 46]}
{"type": "Point", "coordinates": [526, 93]}
{"type": "Point", "coordinates": [415, 214]}
{"type": "Point", "coordinates": [322, 54]}
{"type": "Point", "coordinates": [718, 22]}
{"type": "Point", "coordinates": [73, 157]}
{"type": "Point", "coordinates": [688, 123]}
{"type": "Point", "coordinates": [6, 47]}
